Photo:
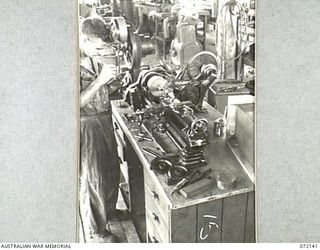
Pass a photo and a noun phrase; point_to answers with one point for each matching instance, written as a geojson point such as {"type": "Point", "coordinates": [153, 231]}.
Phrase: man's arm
{"type": "Point", "coordinates": [89, 92]}
{"type": "Point", "coordinates": [106, 75]}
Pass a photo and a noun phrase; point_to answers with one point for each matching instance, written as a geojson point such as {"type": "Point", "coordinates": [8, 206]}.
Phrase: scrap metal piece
{"type": "Point", "coordinates": [150, 152]}
{"type": "Point", "coordinates": [226, 181]}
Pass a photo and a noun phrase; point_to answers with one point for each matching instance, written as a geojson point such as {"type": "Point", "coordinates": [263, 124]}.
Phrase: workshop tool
{"type": "Point", "coordinates": [143, 133]}
{"type": "Point", "coordinates": [197, 187]}
{"type": "Point", "coordinates": [155, 141]}
{"type": "Point", "coordinates": [133, 129]}
{"type": "Point", "coordinates": [185, 44]}
{"type": "Point", "coordinates": [160, 114]}
{"type": "Point", "coordinates": [184, 181]}
{"type": "Point", "coordinates": [226, 181]}
{"type": "Point", "coordinates": [231, 88]}
{"type": "Point", "coordinates": [129, 43]}
{"type": "Point", "coordinates": [201, 176]}
{"type": "Point", "coordinates": [189, 134]}
{"type": "Point", "coordinates": [162, 163]}
{"type": "Point", "coordinates": [151, 152]}
{"type": "Point", "coordinates": [175, 174]}
{"type": "Point", "coordinates": [170, 156]}
{"type": "Point", "coordinates": [142, 138]}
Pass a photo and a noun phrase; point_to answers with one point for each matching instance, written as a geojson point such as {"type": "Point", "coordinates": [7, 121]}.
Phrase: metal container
{"type": "Point", "coordinates": [219, 127]}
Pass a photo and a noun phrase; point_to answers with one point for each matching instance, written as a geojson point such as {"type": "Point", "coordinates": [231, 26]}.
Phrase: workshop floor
{"type": "Point", "coordinates": [124, 230]}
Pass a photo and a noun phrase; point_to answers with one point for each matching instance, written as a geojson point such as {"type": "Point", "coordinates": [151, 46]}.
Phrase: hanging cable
{"type": "Point", "coordinates": [229, 7]}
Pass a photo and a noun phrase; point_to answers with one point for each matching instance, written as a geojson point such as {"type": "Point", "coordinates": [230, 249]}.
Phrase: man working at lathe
{"type": "Point", "coordinates": [99, 168]}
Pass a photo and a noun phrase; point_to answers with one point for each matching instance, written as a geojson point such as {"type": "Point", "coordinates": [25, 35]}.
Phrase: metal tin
{"type": "Point", "coordinates": [219, 127]}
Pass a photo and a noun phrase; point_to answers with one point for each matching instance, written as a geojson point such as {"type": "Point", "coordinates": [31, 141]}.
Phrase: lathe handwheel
{"type": "Point", "coordinates": [199, 126]}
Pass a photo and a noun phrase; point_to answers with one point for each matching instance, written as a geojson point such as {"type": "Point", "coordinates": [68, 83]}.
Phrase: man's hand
{"type": "Point", "coordinates": [107, 73]}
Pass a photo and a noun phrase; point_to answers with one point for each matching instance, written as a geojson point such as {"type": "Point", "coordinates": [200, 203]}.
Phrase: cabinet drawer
{"type": "Point", "coordinates": [124, 171]}
{"type": "Point", "coordinates": [152, 234]}
{"type": "Point", "coordinates": [158, 225]}
{"type": "Point", "coordinates": [118, 133]}
{"type": "Point", "coordinates": [153, 203]}
{"type": "Point", "coordinates": [154, 197]}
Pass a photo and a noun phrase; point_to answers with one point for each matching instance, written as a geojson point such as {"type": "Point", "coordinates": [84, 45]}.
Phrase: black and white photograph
{"type": "Point", "coordinates": [167, 121]}
{"type": "Point", "coordinates": [159, 121]}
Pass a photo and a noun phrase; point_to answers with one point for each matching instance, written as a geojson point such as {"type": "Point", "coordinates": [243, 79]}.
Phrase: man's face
{"type": "Point", "coordinates": [93, 46]}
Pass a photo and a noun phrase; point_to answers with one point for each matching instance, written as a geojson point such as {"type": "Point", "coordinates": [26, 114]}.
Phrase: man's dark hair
{"type": "Point", "coordinates": [95, 27]}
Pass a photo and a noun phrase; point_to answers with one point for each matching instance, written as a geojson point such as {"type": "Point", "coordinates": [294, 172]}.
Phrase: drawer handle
{"type": "Point", "coordinates": [154, 195]}
{"type": "Point", "coordinates": [154, 240]}
{"type": "Point", "coordinates": [123, 144]}
{"type": "Point", "coordinates": [115, 125]}
{"type": "Point", "coordinates": [155, 217]}
{"type": "Point", "coordinates": [120, 160]}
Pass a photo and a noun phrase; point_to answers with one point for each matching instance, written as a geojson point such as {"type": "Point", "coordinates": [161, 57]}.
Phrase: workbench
{"type": "Point", "coordinates": [211, 216]}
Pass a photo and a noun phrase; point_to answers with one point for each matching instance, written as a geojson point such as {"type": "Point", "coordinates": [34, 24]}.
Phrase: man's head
{"type": "Point", "coordinates": [95, 37]}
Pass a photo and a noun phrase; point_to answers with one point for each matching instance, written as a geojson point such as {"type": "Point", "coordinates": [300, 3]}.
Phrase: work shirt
{"type": "Point", "coordinates": [99, 162]}
{"type": "Point", "coordinates": [89, 70]}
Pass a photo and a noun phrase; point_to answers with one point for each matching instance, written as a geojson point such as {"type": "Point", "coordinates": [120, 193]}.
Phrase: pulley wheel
{"type": "Point", "coordinates": [161, 165]}
{"type": "Point", "coordinates": [133, 51]}
{"type": "Point", "coordinates": [189, 93]}
{"type": "Point", "coordinates": [119, 29]}
{"type": "Point", "coordinates": [157, 86]}
{"type": "Point", "coordinates": [178, 172]}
